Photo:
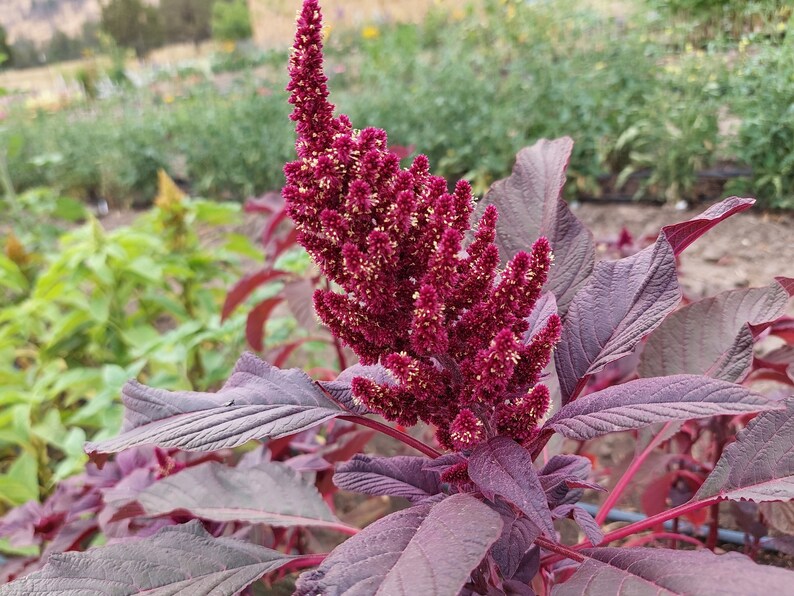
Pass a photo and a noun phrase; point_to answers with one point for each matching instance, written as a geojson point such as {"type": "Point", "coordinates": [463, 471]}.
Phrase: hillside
{"type": "Point", "coordinates": [39, 19]}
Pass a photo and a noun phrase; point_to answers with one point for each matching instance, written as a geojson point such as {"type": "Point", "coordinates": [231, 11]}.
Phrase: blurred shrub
{"type": "Point", "coordinates": [231, 20]}
{"type": "Point", "coordinates": [468, 88]}
{"type": "Point", "coordinates": [78, 320]}
{"type": "Point", "coordinates": [763, 102]}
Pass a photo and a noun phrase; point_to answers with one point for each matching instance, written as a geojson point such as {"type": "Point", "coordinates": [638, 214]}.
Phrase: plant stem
{"type": "Point", "coordinates": [657, 519]}
{"type": "Point", "coordinates": [639, 526]}
{"type": "Point", "coordinates": [343, 529]}
{"type": "Point", "coordinates": [674, 537]}
{"type": "Point", "coordinates": [303, 562]}
{"type": "Point", "coordinates": [616, 493]}
{"type": "Point", "coordinates": [8, 186]}
{"type": "Point", "coordinates": [560, 549]}
{"type": "Point", "coordinates": [393, 432]}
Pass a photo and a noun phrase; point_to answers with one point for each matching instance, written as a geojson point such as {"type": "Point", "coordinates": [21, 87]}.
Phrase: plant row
{"type": "Point", "coordinates": [653, 115]}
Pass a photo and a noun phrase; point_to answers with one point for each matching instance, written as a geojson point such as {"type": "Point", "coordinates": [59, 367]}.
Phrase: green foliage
{"type": "Point", "coordinates": [77, 321]}
{"type": "Point", "coordinates": [228, 146]}
{"type": "Point", "coordinates": [704, 20]}
{"type": "Point", "coordinates": [5, 49]}
{"type": "Point", "coordinates": [468, 89]}
{"type": "Point", "coordinates": [62, 47]}
{"type": "Point", "coordinates": [133, 24]}
{"type": "Point", "coordinates": [764, 105]}
{"type": "Point", "coordinates": [231, 20]}
{"type": "Point", "coordinates": [24, 54]}
{"type": "Point", "coordinates": [186, 20]}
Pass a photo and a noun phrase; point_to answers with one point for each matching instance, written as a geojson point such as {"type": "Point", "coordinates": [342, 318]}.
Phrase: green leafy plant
{"type": "Point", "coordinates": [142, 301]}
{"type": "Point", "coordinates": [231, 20]}
{"type": "Point", "coordinates": [763, 104]}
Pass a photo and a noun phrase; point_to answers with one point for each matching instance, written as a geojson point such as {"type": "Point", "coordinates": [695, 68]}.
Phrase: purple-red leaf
{"type": "Point", "coordinates": [502, 467]}
{"type": "Point", "coordinates": [268, 493]}
{"type": "Point", "coordinates": [243, 288]}
{"type": "Point", "coordinates": [426, 549]}
{"type": "Point", "coordinates": [712, 336]}
{"type": "Point", "coordinates": [511, 551]}
{"type": "Point", "coordinates": [341, 391]}
{"type": "Point", "coordinates": [647, 401]}
{"type": "Point", "coordinates": [759, 465]}
{"type": "Point", "coordinates": [665, 572]}
{"type": "Point", "coordinates": [544, 308]}
{"type": "Point", "coordinates": [299, 295]}
{"type": "Point", "coordinates": [530, 206]}
{"type": "Point", "coordinates": [563, 478]}
{"type": "Point", "coordinates": [177, 560]}
{"type": "Point", "coordinates": [683, 234]}
{"type": "Point", "coordinates": [258, 401]}
{"type": "Point", "coordinates": [583, 519]}
{"type": "Point", "coordinates": [400, 476]}
{"type": "Point", "coordinates": [624, 300]}
{"type": "Point", "coordinates": [255, 324]}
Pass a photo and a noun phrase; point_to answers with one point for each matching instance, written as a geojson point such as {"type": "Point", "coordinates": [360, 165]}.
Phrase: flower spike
{"type": "Point", "coordinates": [442, 318]}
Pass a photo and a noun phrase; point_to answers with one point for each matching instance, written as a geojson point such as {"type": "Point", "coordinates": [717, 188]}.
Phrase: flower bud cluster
{"type": "Point", "coordinates": [442, 319]}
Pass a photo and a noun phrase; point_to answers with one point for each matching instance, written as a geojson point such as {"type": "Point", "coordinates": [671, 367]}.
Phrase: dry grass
{"type": "Point", "coordinates": [274, 20]}
{"type": "Point", "coordinates": [56, 78]}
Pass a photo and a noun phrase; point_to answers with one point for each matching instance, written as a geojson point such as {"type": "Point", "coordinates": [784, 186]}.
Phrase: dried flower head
{"type": "Point", "coordinates": [447, 324]}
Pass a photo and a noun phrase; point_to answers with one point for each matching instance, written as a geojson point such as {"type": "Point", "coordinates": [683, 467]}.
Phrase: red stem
{"type": "Point", "coordinates": [711, 541]}
{"type": "Point", "coordinates": [657, 519]}
{"type": "Point", "coordinates": [303, 562]}
{"type": "Point", "coordinates": [616, 493]}
{"type": "Point", "coordinates": [641, 525]}
{"type": "Point", "coordinates": [673, 536]}
{"type": "Point", "coordinates": [342, 528]}
{"type": "Point", "coordinates": [393, 432]}
{"type": "Point", "coordinates": [560, 549]}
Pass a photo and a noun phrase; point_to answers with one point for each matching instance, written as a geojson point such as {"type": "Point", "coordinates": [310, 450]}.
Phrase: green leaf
{"type": "Point", "coordinates": [69, 209]}
{"type": "Point", "coordinates": [242, 245]}
{"type": "Point", "coordinates": [11, 276]}
{"type": "Point", "coordinates": [21, 483]}
{"type": "Point", "coordinates": [146, 268]}
{"type": "Point", "coordinates": [215, 213]}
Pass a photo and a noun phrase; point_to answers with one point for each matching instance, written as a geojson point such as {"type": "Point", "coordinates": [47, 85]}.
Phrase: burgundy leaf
{"type": "Point", "coordinates": [268, 203]}
{"type": "Point", "coordinates": [647, 401]}
{"type": "Point", "coordinates": [759, 465]}
{"type": "Point", "coordinates": [258, 401]}
{"type": "Point", "coordinates": [299, 296]}
{"type": "Point", "coordinates": [583, 519]}
{"type": "Point", "coordinates": [269, 493]}
{"type": "Point", "coordinates": [530, 206]}
{"type": "Point", "coordinates": [400, 476]}
{"type": "Point", "coordinates": [255, 324]}
{"type": "Point", "coordinates": [665, 572]}
{"type": "Point", "coordinates": [711, 336]}
{"type": "Point", "coordinates": [502, 467]}
{"type": "Point", "coordinates": [340, 389]}
{"type": "Point", "coordinates": [622, 302]}
{"type": "Point", "coordinates": [511, 550]}
{"type": "Point", "coordinates": [339, 448]}
{"type": "Point", "coordinates": [426, 549]}
{"type": "Point", "coordinates": [563, 477]}
{"type": "Point", "coordinates": [544, 308]}
{"type": "Point", "coordinates": [625, 300]}
{"type": "Point", "coordinates": [177, 560]}
{"type": "Point", "coordinates": [681, 235]}
{"type": "Point", "coordinates": [787, 283]}
{"type": "Point", "coordinates": [243, 288]}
